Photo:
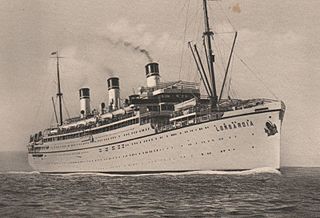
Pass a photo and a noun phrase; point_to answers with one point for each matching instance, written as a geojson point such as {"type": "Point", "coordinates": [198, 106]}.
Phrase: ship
{"type": "Point", "coordinates": [166, 127]}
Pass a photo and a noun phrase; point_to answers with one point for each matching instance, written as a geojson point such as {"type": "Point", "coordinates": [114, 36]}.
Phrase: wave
{"type": "Point", "coordinates": [262, 170]}
{"type": "Point", "coordinates": [85, 174]}
{"type": "Point", "coordinates": [20, 172]}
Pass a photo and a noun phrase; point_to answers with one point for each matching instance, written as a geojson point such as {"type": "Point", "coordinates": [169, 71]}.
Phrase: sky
{"type": "Point", "coordinates": [277, 39]}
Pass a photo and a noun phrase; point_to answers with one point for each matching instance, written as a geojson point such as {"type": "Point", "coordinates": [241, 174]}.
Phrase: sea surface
{"type": "Point", "coordinates": [264, 192]}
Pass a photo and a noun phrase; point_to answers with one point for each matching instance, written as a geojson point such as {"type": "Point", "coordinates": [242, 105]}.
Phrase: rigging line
{"type": "Point", "coordinates": [256, 75]}
{"type": "Point", "coordinates": [220, 66]}
{"type": "Point", "coordinates": [54, 109]}
{"type": "Point", "coordinates": [199, 25]}
{"type": "Point", "coordinates": [51, 119]}
{"type": "Point", "coordinates": [44, 87]}
{"type": "Point", "coordinates": [233, 93]}
{"type": "Point", "coordinates": [198, 67]}
{"type": "Point", "coordinates": [228, 65]}
{"type": "Point", "coordinates": [214, 19]}
{"type": "Point", "coordinates": [177, 17]}
{"type": "Point", "coordinates": [225, 14]}
{"type": "Point", "coordinates": [184, 39]}
{"type": "Point", "coordinates": [226, 32]}
{"type": "Point", "coordinates": [206, 53]}
{"type": "Point", "coordinates": [189, 67]}
{"type": "Point", "coordinates": [220, 54]}
{"type": "Point", "coordinates": [217, 17]}
{"type": "Point", "coordinates": [203, 71]}
{"type": "Point", "coordinates": [182, 8]}
{"type": "Point", "coordinates": [231, 89]}
{"type": "Point", "coordinates": [194, 24]}
{"type": "Point", "coordinates": [65, 108]}
{"type": "Point", "coordinates": [223, 41]}
{"type": "Point", "coordinates": [229, 85]}
{"type": "Point", "coordinates": [222, 33]}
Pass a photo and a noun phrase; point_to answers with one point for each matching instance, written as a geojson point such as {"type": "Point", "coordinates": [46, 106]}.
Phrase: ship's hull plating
{"type": "Point", "coordinates": [233, 143]}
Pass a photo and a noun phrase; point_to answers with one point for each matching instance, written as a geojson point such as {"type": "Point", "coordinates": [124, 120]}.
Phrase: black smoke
{"type": "Point", "coordinates": [131, 46]}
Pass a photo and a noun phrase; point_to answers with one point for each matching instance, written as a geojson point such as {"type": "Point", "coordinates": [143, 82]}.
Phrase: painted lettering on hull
{"type": "Point", "coordinates": [234, 125]}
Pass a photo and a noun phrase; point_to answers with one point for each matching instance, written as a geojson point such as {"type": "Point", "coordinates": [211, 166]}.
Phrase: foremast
{"type": "Point", "coordinates": [210, 86]}
{"type": "Point", "coordinates": [59, 93]}
{"type": "Point", "coordinates": [210, 56]}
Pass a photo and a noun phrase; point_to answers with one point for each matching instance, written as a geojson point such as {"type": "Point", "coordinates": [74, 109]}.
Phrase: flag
{"type": "Point", "coordinates": [54, 53]}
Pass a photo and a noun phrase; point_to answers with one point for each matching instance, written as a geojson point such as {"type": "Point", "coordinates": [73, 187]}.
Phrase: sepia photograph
{"type": "Point", "coordinates": [159, 108]}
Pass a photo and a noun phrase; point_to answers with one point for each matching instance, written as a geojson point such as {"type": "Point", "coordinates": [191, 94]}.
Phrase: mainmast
{"type": "Point", "coordinates": [210, 56]}
{"type": "Point", "coordinates": [59, 94]}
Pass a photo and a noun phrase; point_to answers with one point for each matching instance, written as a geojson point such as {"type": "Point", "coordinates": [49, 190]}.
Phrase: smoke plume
{"type": "Point", "coordinates": [109, 71]}
{"type": "Point", "coordinates": [131, 46]}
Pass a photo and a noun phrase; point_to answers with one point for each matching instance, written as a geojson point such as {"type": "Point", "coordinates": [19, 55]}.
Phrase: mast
{"type": "Point", "coordinates": [59, 94]}
{"type": "Point", "coordinates": [210, 56]}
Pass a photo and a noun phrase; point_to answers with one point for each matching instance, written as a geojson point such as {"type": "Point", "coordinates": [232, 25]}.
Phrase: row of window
{"type": "Point", "coordinates": [115, 126]}
{"type": "Point", "coordinates": [125, 134]}
{"type": "Point", "coordinates": [163, 107]}
{"type": "Point", "coordinates": [122, 146]}
{"type": "Point", "coordinates": [68, 145]}
{"type": "Point", "coordinates": [142, 153]}
{"type": "Point", "coordinates": [61, 146]}
{"type": "Point", "coordinates": [96, 131]}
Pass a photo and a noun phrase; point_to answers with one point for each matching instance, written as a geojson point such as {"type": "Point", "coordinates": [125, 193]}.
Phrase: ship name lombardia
{"type": "Point", "coordinates": [234, 125]}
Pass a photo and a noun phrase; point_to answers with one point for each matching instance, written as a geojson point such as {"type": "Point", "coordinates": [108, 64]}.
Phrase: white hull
{"type": "Point", "coordinates": [201, 146]}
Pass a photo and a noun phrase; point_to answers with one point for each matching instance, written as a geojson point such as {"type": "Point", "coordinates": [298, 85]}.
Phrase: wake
{"type": "Point", "coordinates": [20, 172]}
{"type": "Point", "coordinates": [263, 170]}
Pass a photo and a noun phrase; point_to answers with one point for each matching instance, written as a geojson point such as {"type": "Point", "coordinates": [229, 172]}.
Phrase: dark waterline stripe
{"type": "Point", "coordinates": [147, 172]}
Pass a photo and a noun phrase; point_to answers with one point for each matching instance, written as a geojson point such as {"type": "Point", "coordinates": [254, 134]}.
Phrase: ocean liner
{"type": "Point", "coordinates": [166, 127]}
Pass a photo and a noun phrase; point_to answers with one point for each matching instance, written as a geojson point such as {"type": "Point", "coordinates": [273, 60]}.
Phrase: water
{"type": "Point", "coordinates": [256, 193]}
